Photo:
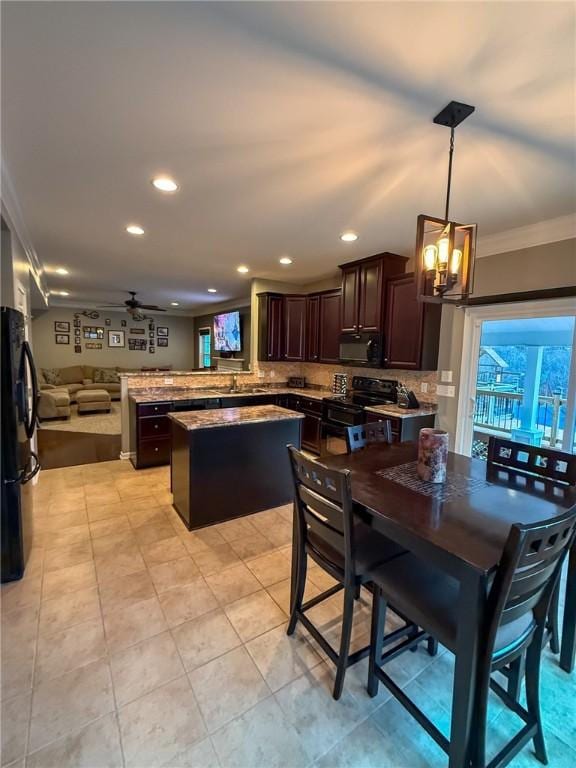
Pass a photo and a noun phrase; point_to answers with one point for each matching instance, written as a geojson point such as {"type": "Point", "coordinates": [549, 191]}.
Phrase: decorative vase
{"type": "Point", "coordinates": [432, 455]}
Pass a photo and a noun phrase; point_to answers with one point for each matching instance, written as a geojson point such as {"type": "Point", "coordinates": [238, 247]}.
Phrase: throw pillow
{"type": "Point", "coordinates": [52, 375]}
{"type": "Point", "coordinates": [106, 376]}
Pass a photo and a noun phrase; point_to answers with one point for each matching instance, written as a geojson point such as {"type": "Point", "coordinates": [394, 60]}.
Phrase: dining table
{"type": "Point", "coordinates": [460, 526]}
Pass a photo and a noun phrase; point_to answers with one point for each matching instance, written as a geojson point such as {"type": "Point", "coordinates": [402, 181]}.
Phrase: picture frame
{"type": "Point", "coordinates": [123, 323]}
{"type": "Point", "coordinates": [151, 326]}
{"type": "Point", "coordinates": [137, 345]}
{"type": "Point", "coordinates": [151, 334]}
{"type": "Point", "coordinates": [63, 338]}
{"type": "Point", "coordinates": [93, 332]}
{"type": "Point", "coordinates": [61, 326]}
{"type": "Point", "coordinates": [93, 345]}
{"type": "Point", "coordinates": [162, 330]}
{"type": "Point", "coordinates": [116, 339]}
{"type": "Point", "coordinates": [107, 321]}
{"type": "Point", "coordinates": [77, 323]}
{"type": "Point", "coordinates": [162, 342]}
{"type": "Point", "coordinates": [138, 331]}
{"type": "Point", "coordinates": [78, 349]}
{"type": "Point", "coordinates": [151, 350]}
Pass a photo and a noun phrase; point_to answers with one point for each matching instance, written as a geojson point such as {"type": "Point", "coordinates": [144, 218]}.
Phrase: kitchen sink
{"type": "Point", "coordinates": [243, 391]}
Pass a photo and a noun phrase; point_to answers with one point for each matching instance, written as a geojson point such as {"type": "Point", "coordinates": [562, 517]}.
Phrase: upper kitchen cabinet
{"type": "Point", "coordinates": [329, 327]}
{"type": "Point", "coordinates": [313, 327]}
{"type": "Point", "coordinates": [295, 328]}
{"type": "Point", "coordinates": [270, 326]}
{"type": "Point", "coordinates": [363, 291]}
{"type": "Point", "coordinates": [412, 329]}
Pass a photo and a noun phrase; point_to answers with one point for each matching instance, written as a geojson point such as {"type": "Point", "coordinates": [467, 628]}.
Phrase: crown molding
{"type": "Point", "coordinates": [541, 233]}
{"type": "Point", "coordinates": [13, 213]}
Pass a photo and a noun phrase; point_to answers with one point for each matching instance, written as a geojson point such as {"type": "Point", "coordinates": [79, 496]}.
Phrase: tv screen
{"type": "Point", "coordinates": [227, 332]}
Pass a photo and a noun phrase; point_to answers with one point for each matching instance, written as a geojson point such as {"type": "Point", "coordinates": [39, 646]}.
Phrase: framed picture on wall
{"type": "Point", "coordinates": [138, 331]}
{"type": "Point", "coordinates": [77, 323]}
{"type": "Point", "coordinates": [93, 332]}
{"type": "Point", "coordinates": [61, 327]}
{"type": "Point", "coordinates": [123, 323]}
{"type": "Point", "coordinates": [116, 339]}
{"type": "Point", "coordinates": [107, 321]}
{"type": "Point", "coordinates": [151, 349]}
{"type": "Point", "coordinates": [62, 338]}
{"type": "Point", "coordinates": [78, 349]}
{"type": "Point", "coordinates": [162, 342]}
{"type": "Point", "coordinates": [151, 334]}
{"type": "Point", "coordinates": [93, 345]}
{"type": "Point", "coordinates": [137, 345]}
{"type": "Point", "coordinates": [162, 330]}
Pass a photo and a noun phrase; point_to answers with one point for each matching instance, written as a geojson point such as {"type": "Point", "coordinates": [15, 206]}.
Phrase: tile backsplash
{"type": "Point", "coordinates": [277, 373]}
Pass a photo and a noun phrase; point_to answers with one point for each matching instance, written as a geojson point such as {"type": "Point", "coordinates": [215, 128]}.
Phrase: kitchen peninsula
{"type": "Point", "coordinates": [230, 462]}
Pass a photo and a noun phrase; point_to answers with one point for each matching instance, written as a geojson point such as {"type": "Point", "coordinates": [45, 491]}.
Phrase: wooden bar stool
{"type": "Point", "coordinates": [343, 546]}
{"type": "Point", "coordinates": [517, 608]}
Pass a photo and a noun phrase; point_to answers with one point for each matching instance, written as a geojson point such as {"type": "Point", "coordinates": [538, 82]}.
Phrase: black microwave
{"type": "Point", "coordinates": [362, 349]}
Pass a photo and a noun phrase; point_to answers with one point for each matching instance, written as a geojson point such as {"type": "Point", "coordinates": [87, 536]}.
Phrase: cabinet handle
{"type": "Point", "coordinates": [155, 426]}
{"type": "Point", "coordinates": [359, 327]}
{"type": "Point", "coordinates": [156, 450]}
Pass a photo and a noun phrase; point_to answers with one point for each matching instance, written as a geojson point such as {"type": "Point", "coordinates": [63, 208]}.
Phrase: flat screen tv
{"type": "Point", "coordinates": [227, 337]}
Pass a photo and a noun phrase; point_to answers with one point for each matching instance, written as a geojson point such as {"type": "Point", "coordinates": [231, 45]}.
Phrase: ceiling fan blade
{"type": "Point", "coordinates": [151, 307]}
{"type": "Point", "coordinates": [104, 306]}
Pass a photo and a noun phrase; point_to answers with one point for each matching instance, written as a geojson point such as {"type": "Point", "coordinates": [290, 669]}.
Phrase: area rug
{"type": "Point", "coordinates": [100, 423]}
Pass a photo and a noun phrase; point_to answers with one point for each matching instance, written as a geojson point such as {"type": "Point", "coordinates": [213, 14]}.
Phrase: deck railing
{"type": "Point", "coordinates": [497, 410]}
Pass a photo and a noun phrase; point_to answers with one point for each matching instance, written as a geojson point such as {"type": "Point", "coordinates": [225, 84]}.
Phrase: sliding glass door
{"type": "Point", "coordinates": [521, 380]}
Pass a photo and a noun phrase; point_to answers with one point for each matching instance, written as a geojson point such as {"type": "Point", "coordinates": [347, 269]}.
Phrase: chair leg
{"type": "Point", "coordinates": [533, 696]}
{"type": "Point", "coordinates": [357, 592]}
{"type": "Point", "coordinates": [301, 569]}
{"type": "Point", "coordinates": [376, 639]}
{"type": "Point", "coordinates": [515, 676]}
{"type": "Point", "coordinates": [552, 623]}
{"type": "Point", "coordinates": [432, 646]}
{"type": "Point", "coordinates": [347, 619]}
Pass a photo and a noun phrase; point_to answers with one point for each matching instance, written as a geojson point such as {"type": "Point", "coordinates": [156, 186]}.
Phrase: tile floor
{"type": "Point", "coordinates": [133, 642]}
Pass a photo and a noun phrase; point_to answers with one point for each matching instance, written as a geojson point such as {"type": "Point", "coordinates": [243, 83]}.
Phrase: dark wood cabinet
{"type": "Point", "coordinates": [313, 328]}
{"type": "Point", "coordinates": [363, 295]}
{"type": "Point", "coordinates": [270, 326]}
{"type": "Point", "coordinates": [312, 421]}
{"type": "Point", "coordinates": [329, 327]}
{"type": "Point", "coordinates": [412, 328]}
{"type": "Point", "coordinates": [295, 317]}
{"type": "Point", "coordinates": [150, 434]}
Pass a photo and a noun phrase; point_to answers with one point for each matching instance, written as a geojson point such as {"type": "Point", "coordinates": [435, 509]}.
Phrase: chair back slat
{"type": "Point", "coordinates": [324, 509]}
{"type": "Point", "coordinates": [543, 462]}
{"type": "Point", "coordinates": [529, 570]}
{"type": "Point", "coordinates": [363, 435]}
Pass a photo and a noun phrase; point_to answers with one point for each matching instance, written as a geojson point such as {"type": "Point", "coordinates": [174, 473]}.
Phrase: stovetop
{"type": "Point", "coordinates": [366, 391]}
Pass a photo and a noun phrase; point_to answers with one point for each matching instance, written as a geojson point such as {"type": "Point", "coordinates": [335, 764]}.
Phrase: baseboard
{"type": "Point", "coordinates": [127, 454]}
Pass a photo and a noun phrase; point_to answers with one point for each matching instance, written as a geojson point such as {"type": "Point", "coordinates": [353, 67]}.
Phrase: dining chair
{"type": "Point", "coordinates": [538, 462]}
{"type": "Point", "coordinates": [335, 539]}
{"type": "Point", "coordinates": [363, 435]}
{"type": "Point", "coordinates": [516, 611]}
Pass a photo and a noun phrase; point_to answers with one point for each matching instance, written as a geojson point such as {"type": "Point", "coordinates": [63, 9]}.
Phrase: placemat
{"type": "Point", "coordinates": [456, 485]}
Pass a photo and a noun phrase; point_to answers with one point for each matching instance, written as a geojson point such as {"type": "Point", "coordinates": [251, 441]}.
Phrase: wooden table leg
{"type": "Point", "coordinates": [471, 607]}
{"type": "Point", "coordinates": [568, 647]}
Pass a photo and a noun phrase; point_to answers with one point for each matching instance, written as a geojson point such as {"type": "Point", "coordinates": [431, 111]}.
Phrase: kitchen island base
{"type": "Point", "coordinates": [223, 473]}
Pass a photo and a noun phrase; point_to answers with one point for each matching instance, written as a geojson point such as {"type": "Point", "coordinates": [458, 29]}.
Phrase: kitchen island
{"type": "Point", "coordinates": [231, 462]}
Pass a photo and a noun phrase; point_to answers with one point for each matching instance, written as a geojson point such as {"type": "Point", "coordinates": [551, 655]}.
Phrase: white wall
{"type": "Point", "coordinates": [179, 353]}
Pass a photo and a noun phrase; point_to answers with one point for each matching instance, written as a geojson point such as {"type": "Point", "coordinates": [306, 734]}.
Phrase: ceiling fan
{"type": "Point", "coordinates": [134, 307]}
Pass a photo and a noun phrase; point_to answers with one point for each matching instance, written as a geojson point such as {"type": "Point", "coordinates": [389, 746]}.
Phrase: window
{"type": "Point", "coordinates": [204, 351]}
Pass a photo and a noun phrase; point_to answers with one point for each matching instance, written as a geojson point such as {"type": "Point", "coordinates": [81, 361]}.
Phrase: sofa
{"type": "Point", "coordinates": [76, 378]}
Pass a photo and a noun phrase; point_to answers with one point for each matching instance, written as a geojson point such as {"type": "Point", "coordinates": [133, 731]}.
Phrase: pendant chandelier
{"type": "Point", "coordinates": [445, 250]}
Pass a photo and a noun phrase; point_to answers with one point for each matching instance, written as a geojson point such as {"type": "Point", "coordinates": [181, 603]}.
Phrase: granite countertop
{"type": "Point", "coordinates": [403, 413]}
{"type": "Point", "coordinates": [230, 417]}
{"type": "Point", "coordinates": [159, 394]}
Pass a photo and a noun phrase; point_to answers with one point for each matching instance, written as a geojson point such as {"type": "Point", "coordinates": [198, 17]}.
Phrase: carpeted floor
{"type": "Point", "coordinates": [100, 423]}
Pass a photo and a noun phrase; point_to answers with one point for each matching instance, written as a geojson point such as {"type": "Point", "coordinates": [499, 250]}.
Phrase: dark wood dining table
{"type": "Point", "coordinates": [464, 535]}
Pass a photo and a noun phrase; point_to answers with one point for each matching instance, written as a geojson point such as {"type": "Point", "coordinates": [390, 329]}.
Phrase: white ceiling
{"type": "Point", "coordinates": [284, 124]}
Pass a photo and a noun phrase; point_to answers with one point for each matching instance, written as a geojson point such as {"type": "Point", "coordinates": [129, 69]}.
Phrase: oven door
{"type": "Point", "coordinates": [361, 349]}
{"type": "Point", "coordinates": [336, 419]}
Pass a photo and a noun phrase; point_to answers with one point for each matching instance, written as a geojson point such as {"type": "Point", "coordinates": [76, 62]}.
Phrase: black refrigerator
{"type": "Point", "coordinates": [19, 463]}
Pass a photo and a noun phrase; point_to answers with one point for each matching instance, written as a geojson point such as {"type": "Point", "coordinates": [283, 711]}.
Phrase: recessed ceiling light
{"type": "Point", "coordinates": [174, 303]}
{"type": "Point", "coordinates": [134, 229]}
{"type": "Point", "coordinates": [165, 184]}
{"type": "Point", "coordinates": [243, 269]}
{"type": "Point", "coordinates": [62, 293]}
{"type": "Point", "coordinates": [212, 290]}
{"type": "Point", "coordinates": [285, 260]}
{"type": "Point", "coordinates": [62, 271]}
{"type": "Point", "coordinates": [349, 237]}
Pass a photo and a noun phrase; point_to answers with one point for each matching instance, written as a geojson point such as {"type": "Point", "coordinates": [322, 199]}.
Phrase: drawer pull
{"type": "Point", "coordinates": [155, 426]}
{"type": "Point", "coordinates": [156, 449]}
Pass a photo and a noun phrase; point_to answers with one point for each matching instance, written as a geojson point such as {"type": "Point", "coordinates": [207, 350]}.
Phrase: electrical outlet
{"type": "Point", "coordinates": [168, 381]}
{"type": "Point", "coordinates": [446, 377]}
{"type": "Point", "coordinates": [445, 390]}
{"type": "Point", "coordinates": [272, 374]}
{"type": "Point", "coordinates": [261, 375]}
{"type": "Point", "coordinates": [424, 386]}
